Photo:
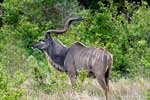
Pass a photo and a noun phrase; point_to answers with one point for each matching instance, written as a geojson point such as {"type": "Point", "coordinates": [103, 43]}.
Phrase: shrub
{"type": "Point", "coordinates": [7, 91]}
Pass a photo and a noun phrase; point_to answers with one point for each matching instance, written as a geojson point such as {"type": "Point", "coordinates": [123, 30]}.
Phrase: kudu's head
{"type": "Point", "coordinates": [43, 44]}
{"type": "Point", "coordinates": [48, 42]}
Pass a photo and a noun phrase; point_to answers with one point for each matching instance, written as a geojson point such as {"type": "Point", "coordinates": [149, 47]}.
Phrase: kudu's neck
{"type": "Point", "coordinates": [56, 53]}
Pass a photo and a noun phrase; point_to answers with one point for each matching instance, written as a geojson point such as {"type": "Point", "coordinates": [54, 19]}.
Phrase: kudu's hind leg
{"type": "Point", "coordinates": [102, 81]}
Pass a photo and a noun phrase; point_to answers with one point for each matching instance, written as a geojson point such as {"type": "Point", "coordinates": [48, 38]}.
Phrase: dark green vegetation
{"type": "Point", "coordinates": [124, 32]}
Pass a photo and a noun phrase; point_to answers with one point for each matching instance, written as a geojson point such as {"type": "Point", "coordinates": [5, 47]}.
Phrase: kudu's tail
{"type": "Point", "coordinates": [109, 65]}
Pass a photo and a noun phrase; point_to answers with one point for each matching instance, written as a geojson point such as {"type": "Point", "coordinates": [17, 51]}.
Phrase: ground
{"type": "Point", "coordinates": [124, 89]}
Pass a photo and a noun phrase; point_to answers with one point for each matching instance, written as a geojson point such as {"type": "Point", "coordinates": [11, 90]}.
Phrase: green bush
{"type": "Point", "coordinates": [7, 91]}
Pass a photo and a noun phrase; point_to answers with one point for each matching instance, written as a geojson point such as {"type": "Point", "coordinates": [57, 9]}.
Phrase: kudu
{"type": "Point", "coordinates": [97, 61]}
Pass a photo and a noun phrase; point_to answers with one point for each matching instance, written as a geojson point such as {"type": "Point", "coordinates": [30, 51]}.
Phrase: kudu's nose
{"type": "Point", "coordinates": [33, 46]}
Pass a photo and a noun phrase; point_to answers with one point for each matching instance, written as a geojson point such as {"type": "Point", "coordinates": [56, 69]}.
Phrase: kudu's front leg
{"type": "Point", "coordinates": [73, 79]}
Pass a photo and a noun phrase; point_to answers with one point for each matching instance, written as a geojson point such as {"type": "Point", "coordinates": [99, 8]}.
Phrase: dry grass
{"type": "Point", "coordinates": [90, 90]}
{"type": "Point", "coordinates": [129, 89]}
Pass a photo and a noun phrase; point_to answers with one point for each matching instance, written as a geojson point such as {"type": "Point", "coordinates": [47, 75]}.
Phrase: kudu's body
{"type": "Point", "coordinates": [96, 61]}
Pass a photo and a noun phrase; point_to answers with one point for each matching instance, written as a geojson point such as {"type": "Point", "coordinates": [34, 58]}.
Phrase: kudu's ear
{"type": "Point", "coordinates": [48, 36]}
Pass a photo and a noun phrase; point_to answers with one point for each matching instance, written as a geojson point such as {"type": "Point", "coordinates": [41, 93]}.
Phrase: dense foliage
{"type": "Point", "coordinates": [125, 35]}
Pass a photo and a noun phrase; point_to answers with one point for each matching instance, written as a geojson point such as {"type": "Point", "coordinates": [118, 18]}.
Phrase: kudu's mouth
{"type": "Point", "coordinates": [32, 47]}
{"type": "Point", "coordinates": [35, 47]}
